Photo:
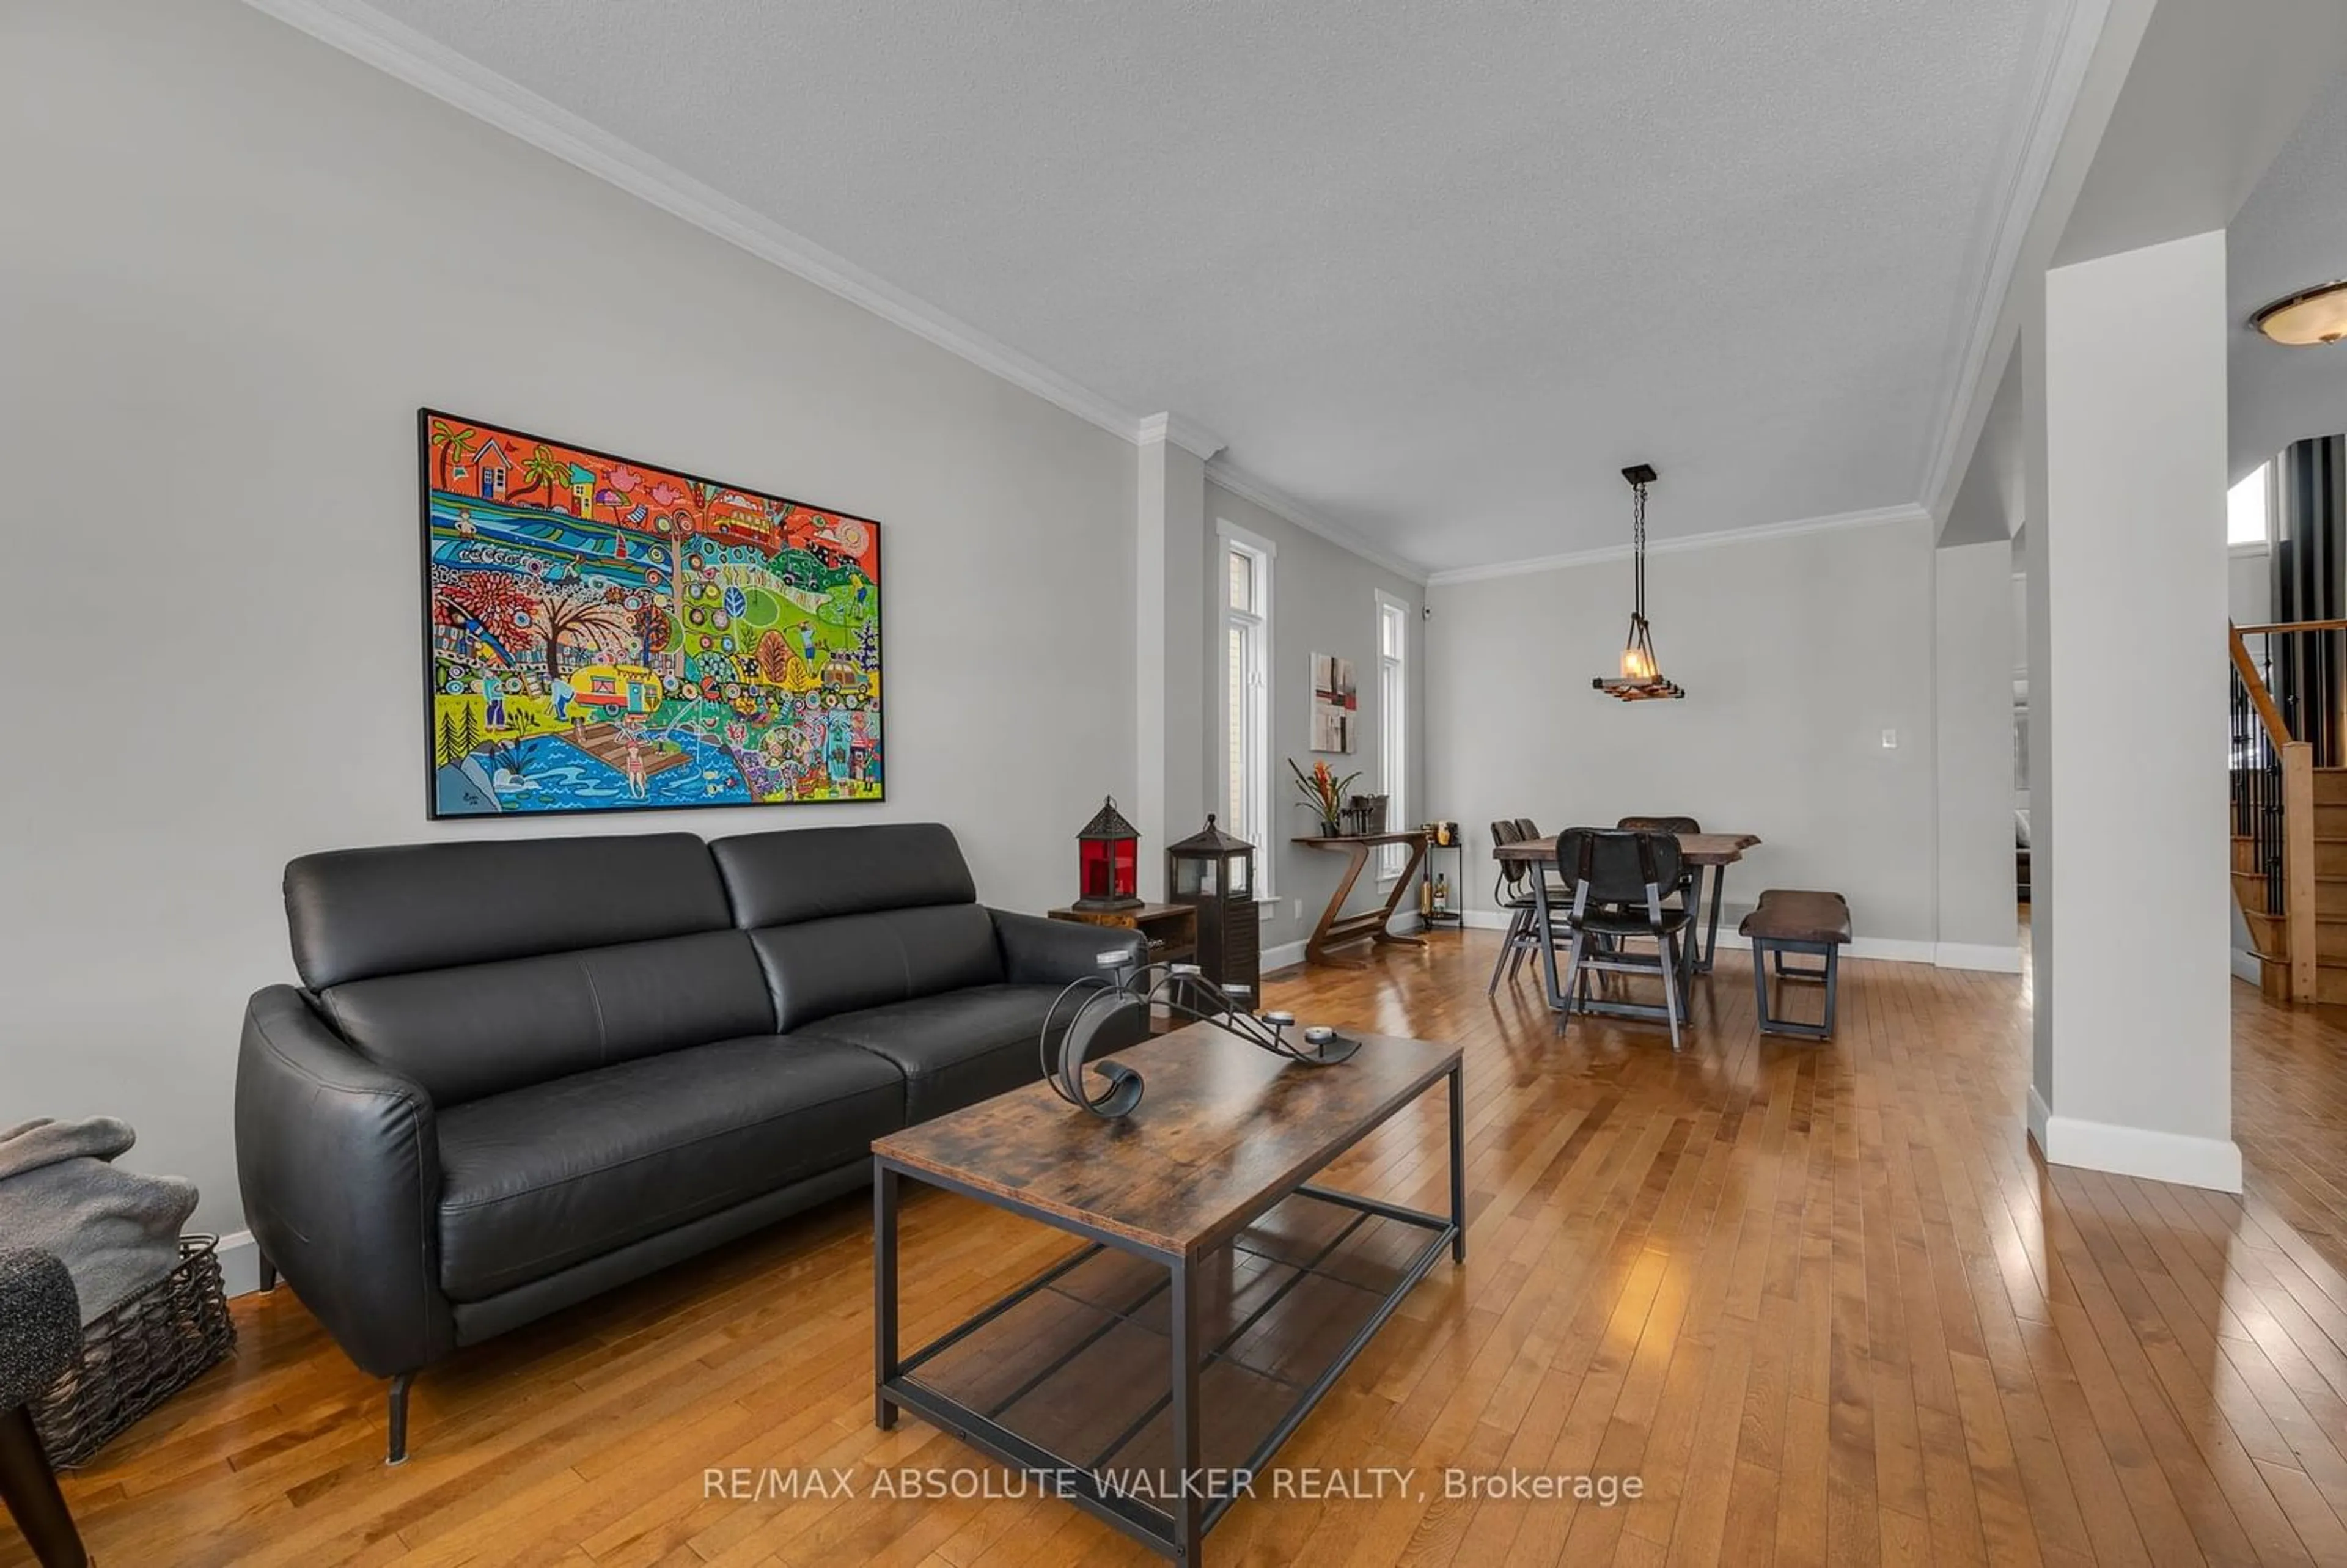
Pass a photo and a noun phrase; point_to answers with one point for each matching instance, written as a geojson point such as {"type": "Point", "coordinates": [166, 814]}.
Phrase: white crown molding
{"type": "Point", "coordinates": [1876, 517]}
{"type": "Point", "coordinates": [1187, 433]}
{"type": "Point", "coordinates": [2065, 51]}
{"type": "Point", "coordinates": [1279, 504]}
{"type": "Point", "coordinates": [398, 50]}
{"type": "Point", "coordinates": [401, 52]}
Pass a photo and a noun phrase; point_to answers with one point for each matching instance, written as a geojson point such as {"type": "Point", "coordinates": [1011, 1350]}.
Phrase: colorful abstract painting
{"type": "Point", "coordinates": [1335, 704]}
{"type": "Point", "coordinates": [608, 635]}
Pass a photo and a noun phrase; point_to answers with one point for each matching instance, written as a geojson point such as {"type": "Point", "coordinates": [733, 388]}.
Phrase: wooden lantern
{"type": "Point", "coordinates": [1214, 873]}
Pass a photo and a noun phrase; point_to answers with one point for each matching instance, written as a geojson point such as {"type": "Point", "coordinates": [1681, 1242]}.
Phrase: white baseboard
{"type": "Point", "coordinates": [1945, 955]}
{"type": "Point", "coordinates": [2214, 1163]}
{"type": "Point", "coordinates": [239, 1261]}
{"type": "Point", "coordinates": [1889, 950]}
{"type": "Point", "coordinates": [1289, 954]}
{"type": "Point", "coordinates": [1990, 956]}
{"type": "Point", "coordinates": [2249, 967]}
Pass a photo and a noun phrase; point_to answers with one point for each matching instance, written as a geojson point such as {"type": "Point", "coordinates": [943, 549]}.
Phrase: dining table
{"type": "Point", "coordinates": [1713, 851]}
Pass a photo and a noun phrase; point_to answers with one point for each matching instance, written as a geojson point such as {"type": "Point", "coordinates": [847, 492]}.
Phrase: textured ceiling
{"type": "Point", "coordinates": [1437, 270]}
{"type": "Point", "coordinates": [2290, 235]}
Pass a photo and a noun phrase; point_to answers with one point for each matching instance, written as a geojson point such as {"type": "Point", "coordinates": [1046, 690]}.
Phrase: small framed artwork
{"type": "Point", "coordinates": [605, 634]}
{"type": "Point", "coordinates": [1335, 705]}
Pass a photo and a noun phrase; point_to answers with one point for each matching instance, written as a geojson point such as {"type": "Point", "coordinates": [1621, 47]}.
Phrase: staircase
{"type": "Point", "coordinates": [2289, 830]}
{"type": "Point", "coordinates": [2269, 932]}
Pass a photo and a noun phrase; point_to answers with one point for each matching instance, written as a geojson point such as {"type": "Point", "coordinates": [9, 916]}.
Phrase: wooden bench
{"type": "Point", "coordinates": [1789, 920]}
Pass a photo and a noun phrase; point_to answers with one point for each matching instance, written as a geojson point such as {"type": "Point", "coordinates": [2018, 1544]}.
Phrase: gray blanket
{"type": "Point", "coordinates": [117, 1231]}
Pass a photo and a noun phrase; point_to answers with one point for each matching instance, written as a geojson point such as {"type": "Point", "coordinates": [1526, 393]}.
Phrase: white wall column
{"type": "Point", "coordinates": [1169, 630]}
{"type": "Point", "coordinates": [1973, 707]}
{"type": "Point", "coordinates": [2125, 383]}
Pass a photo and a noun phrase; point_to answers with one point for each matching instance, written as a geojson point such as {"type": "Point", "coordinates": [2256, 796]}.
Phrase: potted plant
{"type": "Point", "coordinates": [1324, 792]}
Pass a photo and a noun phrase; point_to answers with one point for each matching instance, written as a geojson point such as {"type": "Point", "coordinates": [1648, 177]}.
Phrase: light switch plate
{"type": "Point", "coordinates": [1889, 739]}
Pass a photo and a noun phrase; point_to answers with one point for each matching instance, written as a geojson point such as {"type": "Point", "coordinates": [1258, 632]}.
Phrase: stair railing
{"type": "Point", "coordinates": [2273, 789]}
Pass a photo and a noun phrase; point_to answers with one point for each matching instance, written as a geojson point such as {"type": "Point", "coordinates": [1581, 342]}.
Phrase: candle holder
{"type": "Point", "coordinates": [1123, 991]}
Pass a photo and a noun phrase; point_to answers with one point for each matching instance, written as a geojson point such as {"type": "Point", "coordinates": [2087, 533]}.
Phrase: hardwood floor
{"type": "Point", "coordinates": [1820, 1299]}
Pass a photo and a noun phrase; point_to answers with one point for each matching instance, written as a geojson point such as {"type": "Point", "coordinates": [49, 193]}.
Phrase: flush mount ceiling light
{"type": "Point", "coordinates": [1640, 679]}
{"type": "Point", "coordinates": [2305, 319]}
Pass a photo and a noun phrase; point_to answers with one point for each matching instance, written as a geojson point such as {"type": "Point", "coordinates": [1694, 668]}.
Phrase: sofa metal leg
{"type": "Point", "coordinates": [398, 1446]}
{"type": "Point", "coordinates": [29, 1486]}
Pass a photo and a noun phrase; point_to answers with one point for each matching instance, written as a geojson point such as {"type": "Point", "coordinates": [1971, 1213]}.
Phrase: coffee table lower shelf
{"type": "Point", "coordinates": [1093, 1375]}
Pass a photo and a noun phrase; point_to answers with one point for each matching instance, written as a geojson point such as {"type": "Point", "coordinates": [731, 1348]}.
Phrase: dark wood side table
{"type": "Point", "coordinates": [1337, 929]}
{"type": "Point", "coordinates": [1170, 929]}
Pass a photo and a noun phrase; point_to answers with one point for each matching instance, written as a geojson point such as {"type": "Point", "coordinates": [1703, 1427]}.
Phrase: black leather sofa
{"type": "Point", "coordinates": [519, 1072]}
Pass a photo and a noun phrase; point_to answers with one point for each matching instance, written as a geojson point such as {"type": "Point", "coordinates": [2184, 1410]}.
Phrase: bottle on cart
{"type": "Point", "coordinates": [1426, 895]}
{"type": "Point", "coordinates": [1441, 894]}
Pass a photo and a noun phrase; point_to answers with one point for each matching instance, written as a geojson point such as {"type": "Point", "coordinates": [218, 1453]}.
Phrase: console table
{"type": "Point", "coordinates": [1337, 929]}
{"type": "Point", "coordinates": [1221, 1290]}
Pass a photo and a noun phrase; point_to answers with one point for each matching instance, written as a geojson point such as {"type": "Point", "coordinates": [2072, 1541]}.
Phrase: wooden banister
{"type": "Point", "coordinates": [2291, 626]}
{"type": "Point", "coordinates": [2298, 860]}
{"type": "Point", "coordinates": [2260, 699]}
{"type": "Point", "coordinates": [2297, 758]}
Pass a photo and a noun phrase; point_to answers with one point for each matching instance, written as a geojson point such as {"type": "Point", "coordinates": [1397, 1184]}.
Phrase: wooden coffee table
{"type": "Point", "coordinates": [1220, 1292]}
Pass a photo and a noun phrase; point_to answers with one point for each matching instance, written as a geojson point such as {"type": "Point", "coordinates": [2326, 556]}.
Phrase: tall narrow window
{"type": "Point", "coordinates": [2245, 509]}
{"type": "Point", "coordinates": [1393, 725]}
{"type": "Point", "coordinates": [1246, 695]}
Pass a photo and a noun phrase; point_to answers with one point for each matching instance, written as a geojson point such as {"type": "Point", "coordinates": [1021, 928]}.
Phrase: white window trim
{"type": "Point", "coordinates": [1393, 856]}
{"type": "Point", "coordinates": [1227, 534]}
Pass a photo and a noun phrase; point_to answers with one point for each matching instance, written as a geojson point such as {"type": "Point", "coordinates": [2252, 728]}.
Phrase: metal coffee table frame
{"type": "Point", "coordinates": [1176, 1532]}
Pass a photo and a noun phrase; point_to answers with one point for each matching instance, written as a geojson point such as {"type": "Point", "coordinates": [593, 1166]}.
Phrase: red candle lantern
{"type": "Point", "coordinates": [1109, 860]}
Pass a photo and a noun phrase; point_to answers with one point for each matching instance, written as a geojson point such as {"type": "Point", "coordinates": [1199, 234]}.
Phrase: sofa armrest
{"type": "Point", "coordinates": [339, 1163]}
{"type": "Point", "coordinates": [1040, 952]}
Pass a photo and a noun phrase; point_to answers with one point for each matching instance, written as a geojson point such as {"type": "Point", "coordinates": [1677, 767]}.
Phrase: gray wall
{"type": "Point", "coordinates": [2248, 584]}
{"type": "Point", "coordinates": [1324, 601]}
{"type": "Point", "coordinates": [1973, 677]}
{"type": "Point", "coordinates": [1797, 652]}
{"type": "Point", "coordinates": [235, 263]}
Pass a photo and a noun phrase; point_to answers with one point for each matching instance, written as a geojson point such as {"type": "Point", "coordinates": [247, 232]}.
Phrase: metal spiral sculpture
{"type": "Point", "coordinates": [1121, 992]}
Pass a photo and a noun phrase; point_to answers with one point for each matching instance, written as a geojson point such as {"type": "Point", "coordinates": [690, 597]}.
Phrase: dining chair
{"type": "Point", "coordinates": [1557, 892]}
{"type": "Point", "coordinates": [1690, 883]}
{"type": "Point", "coordinates": [1620, 880]}
{"type": "Point", "coordinates": [1513, 892]}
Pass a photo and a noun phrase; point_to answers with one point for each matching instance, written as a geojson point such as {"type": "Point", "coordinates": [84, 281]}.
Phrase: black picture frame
{"type": "Point", "coordinates": [425, 416]}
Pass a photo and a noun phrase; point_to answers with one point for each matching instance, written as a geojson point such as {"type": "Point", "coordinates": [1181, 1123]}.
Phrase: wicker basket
{"type": "Point", "coordinates": [139, 1354]}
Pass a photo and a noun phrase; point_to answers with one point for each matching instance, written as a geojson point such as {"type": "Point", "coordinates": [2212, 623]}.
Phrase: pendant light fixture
{"type": "Point", "coordinates": [2307, 318]}
{"type": "Point", "coordinates": [1641, 677]}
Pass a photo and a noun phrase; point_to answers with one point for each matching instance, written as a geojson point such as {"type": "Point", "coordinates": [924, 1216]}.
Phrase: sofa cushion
{"type": "Point", "coordinates": [825, 966]}
{"type": "Point", "coordinates": [954, 1050]}
{"type": "Point", "coordinates": [358, 913]}
{"type": "Point", "coordinates": [477, 1029]}
{"type": "Point", "coordinates": [541, 1178]}
{"type": "Point", "coordinates": [819, 873]}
